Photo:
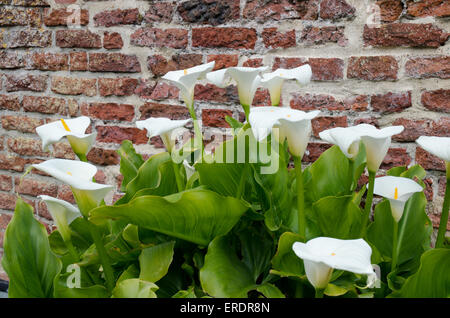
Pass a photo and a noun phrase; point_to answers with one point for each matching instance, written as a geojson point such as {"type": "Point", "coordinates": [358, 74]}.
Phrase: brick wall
{"type": "Point", "coordinates": [382, 62]}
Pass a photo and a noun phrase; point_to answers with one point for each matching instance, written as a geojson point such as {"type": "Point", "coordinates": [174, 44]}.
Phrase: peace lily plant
{"type": "Point", "coordinates": [216, 228]}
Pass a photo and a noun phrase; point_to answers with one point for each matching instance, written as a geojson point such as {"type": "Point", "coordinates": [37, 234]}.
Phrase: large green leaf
{"type": "Point", "coordinates": [285, 262]}
{"type": "Point", "coordinates": [130, 162]}
{"type": "Point", "coordinates": [154, 177]}
{"type": "Point", "coordinates": [196, 216]}
{"type": "Point", "coordinates": [223, 274]}
{"type": "Point", "coordinates": [222, 178]}
{"type": "Point", "coordinates": [63, 291]}
{"type": "Point", "coordinates": [432, 280]}
{"type": "Point", "coordinates": [135, 288]}
{"type": "Point", "coordinates": [414, 232]}
{"type": "Point", "coordinates": [155, 261]}
{"type": "Point", "coordinates": [28, 259]}
{"type": "Point", "coordinates": [338, 217]}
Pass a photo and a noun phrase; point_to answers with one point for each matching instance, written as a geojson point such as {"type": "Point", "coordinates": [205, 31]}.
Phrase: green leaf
{"type": "Point", "coordinates": [432, 280]}
{"type": "Point", "coordinates": [223, 274]}
{"type": "Point", "coordinates": [338, 217]}
{"type": "Point", "coordinates": [334, 290]}
{"type": "Point", "coordinates": [235, 124]}
{"type": "Point", "coordinates": [62, 291]}
{"type": "Point", "coordinates": [196, 216]}
{"type": "Point", "coordinates": [270, 291]}
{"type": "Point", "coordinates": [135, 288]}
{"type": "Point", "coordinates": [130, 162]}
{"type": "Point", "coordinates": [155, 261]}
{"type": "Point", "coordinates": [154, 177]}
{"type": "Point", "coordinates": [28, 260]}
{"type": "Point", "coordinates": [285, 262]}
{"type": "Point", "coordinates": [222, 178]}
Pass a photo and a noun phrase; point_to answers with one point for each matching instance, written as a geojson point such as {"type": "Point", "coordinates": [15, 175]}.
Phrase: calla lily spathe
{"type": "Point", "coordinates": [274, 81]}
{"type": "Point", "coordinates": [397, 190]}
{"type": "Point", "coordinates": [293, 125]}
{"type": "Point", "coordinates": [62, 212]}
{"type": "Point", "coordinates": [344, 138]}
{"type": "Point", "coordinates": [186, 79]}
{"type": "Point", "coordinates": [438, 146]}
{"type": "Point", "coordinates": [248, 80]}
{"type": "Point", "coordinates": [323, 254]}
{"type": "Point", "coordinates": [74, 129]}
{"type": "Point", "coordinates": [163, 127]}
{"type": "Point", "coordinates": [78, 175]}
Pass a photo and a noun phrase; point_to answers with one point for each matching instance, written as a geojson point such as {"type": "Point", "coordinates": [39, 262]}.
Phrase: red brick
{"type": "Point", "coordinates": [321, 35]}
{"type": "Point", "coordinates": [216, 117]}
{"type": "Point", "coordinates": [262, 98]}
{"type": "Point", "coordinates": [159, 65]}
{"type": "Point", "coordinates": [327, 122]}
{"type": "Point", "coordinates": [336, 10]}
{"type": "Point", "coordinates": [35, 187]}
{"type": "Point", "coordinates": [438, 100]}
{"type": "Point", "coordinates": [311, 102]}
{"type": "Point", "coordinates": [61, 17]}
{"type": "Point", "coordinates": [5, 183]}
{"type": "Point", "coordinates": [112, 40]}
{"type": "Point", "coordinates": [373, 68]}
{"type": "Point", "coordinates": [103, 157]}
{"type": "Point", "coordinates": [357, 103]}
{"type": "Point", "coordinates": [25, 82]}
{"type": "Point", "coordinates": [391, 102]}
{"type": "Point", "coordinates": [423, 8]}
{"type": "Point", "coordinates": [314, 150]}
{"type": "Point", "coordinates": [115, 134]}
{"type": "Point", "coordinates": [46, 105]}
{"type": "Point", "coordinates": [405, 34]}
{"type": "Point", "coordinates": [160, 12]}
{"type": "Point", "coordinates": [162, 91]}
{"type": "Point", "coordinates": [254, 62]}
{"type": "Point", "coordinates": [10, 162]}
{"type": "Point", "coordinates": [390, 10]}
{"type": "Point", "coordinates": [262, 11]}
{"type": "Point", "coordinates": [78, 61]}
{"type": "Point", "coordinates": [432, 67]}
{"type": "Point", "coordinates": [233, 38]}
{"type": "Point", "coordinates": [10, 102]}
{"type": "Point", "coordinates": [326, 69]}
{"type": "Point", "coordinates": [414, 128]}
{"type": "Point", "coordinates": [6, 218]}
{"type": "Point", "coordinates": [288, 62]}
{"type": "Point", "coordinates": [26, 146]}
{"type": "Point", "coordinates": [49, 61]}
{"type": "Point", "coordinates": [428, 191]}
{"type": "Point", "coordinates": [161, 110]}
{"type": "Point", "coordinates": [429, 161]}
{"type": "Point", "coordinates": [11, 60]}
{"type": "Point", "coordinates": [20, 17]}
{"type": "Point", "coordinates": [441, 127]}
{"type": "Point", "coordinates": [74, 86]}
{"type": "Point", "coordinates": [28, 38]}
{"type": "Point", "coordinates": [209, 11]}
{"type": "Point", "coordinates": [109, 111]}
{"type": "Point", "coordinates": [210, 92]}
{"type": "Point", "coordinates": [63, 150]}
{"type": "Point", "coordinates": [113, 62]}
{"type": "Point", "coordinates": [154, 37]}
{"type": "Point", "coordinates": [117, 17]}
{"type": "Point", "coordinates": [273, 39]}
{"type": "Point", "coordinates": [124, 86]}
{"type": "Point", "coordinates": [436, 220]}
{"type": "Point", "coordinates": [223, 60]}
{"type": "Point", "coordinates": [395, 157]}
{"type": "Point", "coordinates": [78, 39]}
{"type": "Point", "coordinates": [65, 193]}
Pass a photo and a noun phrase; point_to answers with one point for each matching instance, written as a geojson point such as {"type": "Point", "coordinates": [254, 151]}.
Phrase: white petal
{"type": "Point", "coordinates": [406, 187]}
{"type": "Point", "coordinates": [437, 146]}
{"type": "Point", "coordinates": [156, 126]}
{"type": "Point", "coordinates": [344, 138]}
{"type": "Point", "coordinates": [318, 274]}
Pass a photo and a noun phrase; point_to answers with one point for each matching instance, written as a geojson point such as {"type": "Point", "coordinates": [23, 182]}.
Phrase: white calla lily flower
{"type": "Point", "coordinates": [63, 213]}
{"type": "Point", "coordinates": [74, 129]}
{"type": "Point", "coordinates": [292, 124]}
{"type": "Point", "coordinates": [397, 190]}
{"type": "Point", "coordinates": [190, 170]}
{"type": "Point", "coordinates": [376, 141]}
{"type": "Point", "coordinates": [248, 80]}
{"type": "Point", "coordinates": [344, 138]}
{"type": "Point", "coordinates": [274, 81]}
{"type": "Point", "coordinates": [437, 146]}
{"type": "Point", "coordinates": [186, 79]}
{"type": "Point", "coordinates": [161, 126]}
{"type": "Point", "coordinates": [323, 254]}
{"type": "Point", "coordinates": [78, 175]}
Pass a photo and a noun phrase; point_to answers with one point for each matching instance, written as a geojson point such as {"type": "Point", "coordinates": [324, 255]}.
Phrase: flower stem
{"type": "Point", "coordinates": [394, 247]}
{"type": "Point", "coordinates": [351, 165]}
{"type": "Point", "coordinates": [300, 197]}
{"type": "Point", "coordinates": [179, 180]}
{"type": "Point", "coordinates": [445, 209]}
{"type": "Point", "coordinates": [72, 250]}
{"type": "Point", "coordinates": [104, 258]}
{"type": "Point", "coordinates": [368, 206]}
{"type": "Point", "coordinates": [197, 130]}
{"type": "Point", "coordinates": [319, 293]}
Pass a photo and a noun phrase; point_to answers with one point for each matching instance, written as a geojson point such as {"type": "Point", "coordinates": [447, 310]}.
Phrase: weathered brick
{"type": "Point", "coordinates": [65, 193]}
{"type": "Point", "coordinates": [441, 127]}
{"type": "Point", "coordinates": [223, 60]}
{"type": "Point", "coordinates": [308, 102]}
{"type": "Point", "coordinates": [288, 62]}
{"type": "Point", "coordinates": [173, 112]}
{"type": "Point", "coordinates": [273, 38]}
{"type": "Point", "coordinates": [11, 60]}
{"type": "Point", "coordinates": [326, 69]}
{"type": "Point", "coordinates": [414, 128]}
{"type": "Point", "coordinates": [117, 17]}
{"type": "Point", "coordinates": [112, 40]}
{"type": "Point", "coordinates": [123, 86]}
{"type": "Point", "coordinates": [209, 11]}
{"type": "Point", "coordinates": [63, 17]}
{"type": "Point", "coordinates": [336, 10]}
{"type": "Point", "coordinates": [103, 157]}
{"type": "Point", "coordinates": [20, 17]}
{"type": "Point", "coordinates": [74, 86]}
{"type": "Point", "coordinates": [405, 34]}
{"type": "Point", "coordinates": [49, 61]}
{"type": "Point", "coordinates": [25, 82]}
{"type": "Point", "coordinates": [322, 123]}
{"type": "Point", "coordinates": [6, 183]}
{"type": "Point", "coordinates": [233, 38]}
{"type": "Point", "coordinates": [373, 68]}
{"type": "Point", "coordinates": [314, 150]}
{"type": "Point", "coordinates": [7, 202]}
{"type": "Point", "coordinates": [159, 65]}
{"type": "Point", "coordinates": [428, 67]}
{"type": "Point", "coordinates": [162, 91]}
{"type": "Point", "coordinates": [210, 92]}
{"type": "Point", "coordinates": [35, 187]}
{"type": "Point", "coordinates": [115, 134]}
{"type": "Point", "coordinates": [9, 102]}
{"type": "Point", "coordinates": [320, 35]}
{"type": "Point", "coordinates": [108, 111]}
{"type": "Point", "coordinates": [262, 98]}
{"type": "Point", "coordinates": [262, 11]}
{"type": "Point", "coordinates": [78, 39]}
{"type": "Point", "coordinates": [20, 123]}
{"type": "Point", "coordinates": [390, 10]}
{"type": "Point", "coordinates": [216, 117]}
{"type": "Point", "coordinates": [254, 62]}
{"type": "Point", "coordinates": [429, 161]}
{"type": "Point", "coordinates": [113, 62]}
{"type": "Point", "coordinates": [44, 104]}
{"type": "Point", "coordinates": [154, 37]}
{"type": "Point", "coordinates": [438, 100]}
{"type": "Point", "coordinates": [391, 102]}
{"type": "Point", "coordinates": [28, 38]}
{"type": "Point", "coordinates": [395, 157]}
{"type": "Point", "coordinates": [63, 150]}
{"type": "Point", "coordinates": [10, 162]}
{"type": "Point", "coordinates": [26, 146]}
{"type": "Point", "coordinates": [160, 12]}
{"type": "Point", "coordinates": [423, 8]}
{"type": "Point", "coordinates": [78, 61]}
